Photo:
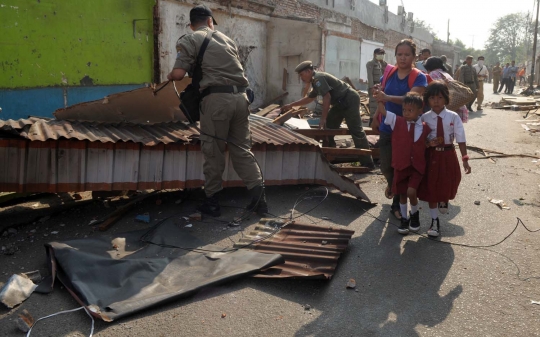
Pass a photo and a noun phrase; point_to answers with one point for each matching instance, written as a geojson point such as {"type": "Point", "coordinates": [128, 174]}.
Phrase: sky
{"type": "Point", "coordinates": [470, 20]}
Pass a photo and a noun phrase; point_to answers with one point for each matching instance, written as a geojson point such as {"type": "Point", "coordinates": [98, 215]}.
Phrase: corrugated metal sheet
{"type": "Point", "coordinates": [309, 251]}
{"type": "Point", "coordinates": [262, 129]}
{"type": "Point", "coordinates": [72, 165]}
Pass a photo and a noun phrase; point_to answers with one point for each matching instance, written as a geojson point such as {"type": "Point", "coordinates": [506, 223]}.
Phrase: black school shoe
{"type": "Point", "coordinates": [210, 206]}
{"type": "Point", "coordinates": [403, 228]}
{"type": "Point", "coordinates": [434, 230]}
{"type": "Point", "coordinates": [414, 225]}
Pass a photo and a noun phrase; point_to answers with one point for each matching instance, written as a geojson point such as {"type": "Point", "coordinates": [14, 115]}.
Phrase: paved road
{"type": "Point", "coordinates": [407, 286]}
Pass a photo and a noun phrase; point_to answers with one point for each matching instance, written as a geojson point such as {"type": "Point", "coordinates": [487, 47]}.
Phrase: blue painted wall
{"type": "Point", "coordinates": [17, 104]}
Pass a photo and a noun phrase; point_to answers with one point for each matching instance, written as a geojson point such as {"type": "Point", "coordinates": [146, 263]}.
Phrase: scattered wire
{"type": "Point", "coordinates": [65, 312]}
{"type": "Point", "coordinates": [482, 247]}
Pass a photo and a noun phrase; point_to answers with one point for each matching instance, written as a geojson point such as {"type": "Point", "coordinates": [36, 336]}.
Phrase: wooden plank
{"type": "Point", "coordinates": [334, 151]}
{"type": "Point", "coordinates": [112, 218]}
{"type": "Point", "coordinates": [267, 110]}
{"type": "Point", "coordinates": [313, 133]}
{"type": "Point", "coordinates": [275, 99]}
{"type": "Point", "coordinates": [285, 80]}
{"type": "Point", "coordinates": [352, 169]}
{"type": "Point", "coordinates": [288, 115]}
{"type": "Point", "coordinates": [347, 80]}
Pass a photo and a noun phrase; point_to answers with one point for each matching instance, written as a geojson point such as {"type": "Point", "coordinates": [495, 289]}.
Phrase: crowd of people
{"type": "Point", "coordinates": [417, 131]}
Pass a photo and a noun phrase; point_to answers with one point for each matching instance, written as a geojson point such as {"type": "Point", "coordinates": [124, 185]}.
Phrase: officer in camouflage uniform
{"type": "Point", "coordinates": [344, 101]}
{"type": "Point", "coordinates": [224, 110]}
{"type": "Point", "coordinates": [375, 69]}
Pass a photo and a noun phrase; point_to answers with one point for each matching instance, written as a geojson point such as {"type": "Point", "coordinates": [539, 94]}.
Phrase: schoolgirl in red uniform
{"type": "Point", "coordinates": [443, 174]}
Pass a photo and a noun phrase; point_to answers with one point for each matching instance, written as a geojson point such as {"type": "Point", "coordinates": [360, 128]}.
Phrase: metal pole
{"type": "Point", "coordinates": [448, 32]}
{"type": "Point", "coordinates": [531, 80]}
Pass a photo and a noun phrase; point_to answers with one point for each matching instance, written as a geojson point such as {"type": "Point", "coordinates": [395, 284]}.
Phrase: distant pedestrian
{"type": "Point", "coordinates": [521, 76]}
{"type": "Point", "coordinates": [467, 76]}
{"type": "Point", "coordinates": [513, 75]}
{"type": "Point", "coordinates": [448, 67]}
{"type": "Point", "coordinates": [482, 74]}
{"type": "Point", "coordinates": [497, 71]}
{"type": "Point", "coordinates": [505, 82]}
{"type": "Point", "coordinates": [409, 135]}
{"type": "Point", "coordinates": [443, 174]}
{"type": "Point", "coordinates": [424, 55]}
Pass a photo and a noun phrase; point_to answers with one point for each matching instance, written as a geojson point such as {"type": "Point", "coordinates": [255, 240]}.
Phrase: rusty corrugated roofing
{"type": "Point", "coordinates": [309, 251]}
{"type": "Point", "coordinates": [36, 129]}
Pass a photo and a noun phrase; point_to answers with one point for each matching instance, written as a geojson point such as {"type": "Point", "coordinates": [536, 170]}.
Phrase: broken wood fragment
{"type": "Point", "coordinates": [112, 218]}
{"type": "Point", "coordinates": [267, 110]}
{"type": "Point", "coordinates": [343, 152]}
{"type": "Point", "coordinates": [352, 169]}
{"type": "Point", "coordinates": [285, 80]}
{"type": "Point", "coordinates": [288, 115]}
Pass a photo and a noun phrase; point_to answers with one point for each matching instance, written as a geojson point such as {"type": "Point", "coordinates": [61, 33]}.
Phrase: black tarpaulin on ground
{"type": "Point", "coordinates": [118, 275]}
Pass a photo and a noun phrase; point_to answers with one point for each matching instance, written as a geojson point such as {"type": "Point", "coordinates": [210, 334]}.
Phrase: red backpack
{"type": "Point", "coordinates": [412, 77]}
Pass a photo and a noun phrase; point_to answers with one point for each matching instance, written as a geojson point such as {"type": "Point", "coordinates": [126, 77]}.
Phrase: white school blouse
{"type": "Point", "coordinates": [452, 125]}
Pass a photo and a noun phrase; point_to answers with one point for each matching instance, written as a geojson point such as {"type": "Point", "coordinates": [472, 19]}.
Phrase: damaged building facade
{"type": "Point", "coordinates": [59, 53]}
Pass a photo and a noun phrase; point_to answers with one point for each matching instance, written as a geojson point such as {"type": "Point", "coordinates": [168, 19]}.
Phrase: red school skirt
{"type": "Point", "coordinates": [442, 176]}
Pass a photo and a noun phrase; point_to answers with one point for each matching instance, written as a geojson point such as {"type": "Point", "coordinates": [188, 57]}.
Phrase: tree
{"type": "Point", "coordinates": [426, 26]}
{"type": "Point", "coordinates": [508, 39]}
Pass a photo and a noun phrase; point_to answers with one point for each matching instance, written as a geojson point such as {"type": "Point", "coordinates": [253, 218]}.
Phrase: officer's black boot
{"type": "Point", "coordinates": [258, 200]}
{"type": "Point", "coordinates": [210, 206]}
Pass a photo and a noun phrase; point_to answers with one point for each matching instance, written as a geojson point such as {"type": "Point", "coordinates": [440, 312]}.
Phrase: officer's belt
{"type": "Point", "coordinates": [223, 89]}
{"type": "Point", "coordinates": [472, 82]}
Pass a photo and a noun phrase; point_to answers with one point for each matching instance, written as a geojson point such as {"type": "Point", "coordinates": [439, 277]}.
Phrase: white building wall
{"type": "Point", "coordinates": [246, 28]}
{"type": "Point", "coordinates": [343, 58]}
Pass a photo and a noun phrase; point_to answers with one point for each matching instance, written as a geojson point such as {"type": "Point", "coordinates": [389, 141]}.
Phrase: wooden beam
{"type": "Point", "coordinates": [353, 169]}
{"type": "Point", "coordinates": [285, 79]}
{"type": "Point", "coordinates": [267, 110]}
{"type": "Point", "coordinates": [347, 80]}
{"type": "Point", "coordinates": [334, 151]}
{"type": "Point", "coordinates": [313, 133]}
{"type": "Point", "coordinates": [288, 115]}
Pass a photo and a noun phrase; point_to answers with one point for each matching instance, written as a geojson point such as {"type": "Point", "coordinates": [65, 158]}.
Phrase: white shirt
{"type": "Point", "coordinates": [482, 72]}
{"type": "Point", "coordinates": [452, 126]}
{"type": "Point", "coordinates": [390, 120]}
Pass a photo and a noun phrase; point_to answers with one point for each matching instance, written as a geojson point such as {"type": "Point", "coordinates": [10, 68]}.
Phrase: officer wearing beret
{"type": "Point", "coordinates": [339, 102]}
{"type": "Point", "coordinates": [223, 109]}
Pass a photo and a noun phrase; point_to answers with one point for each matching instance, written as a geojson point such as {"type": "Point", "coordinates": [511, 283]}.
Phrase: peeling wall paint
{"type": "Point", "coordinates": [58, 42]}
{"type": "Point", "coordinates": [289, 43]}
{"type": "Point", "coordinates": [246, 28]}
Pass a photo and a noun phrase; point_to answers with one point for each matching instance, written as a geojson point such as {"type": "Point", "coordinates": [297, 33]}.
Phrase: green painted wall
{"type": "Point", "coordinates": [59, 42]}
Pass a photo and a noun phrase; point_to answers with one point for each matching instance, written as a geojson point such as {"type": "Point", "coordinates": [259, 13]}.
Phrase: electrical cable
{"type": "Point", "coordinates": [247, 212]}
{"type": "Point", "coordinates": [64, 312]}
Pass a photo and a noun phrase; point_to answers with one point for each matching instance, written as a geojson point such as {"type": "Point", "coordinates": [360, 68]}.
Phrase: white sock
{"type": "Point", "coordinates": [434, 212]}
{"type": "Point", "coordinates": [414, 208]}
{"type": "Point", "coordinates": [403, 208]}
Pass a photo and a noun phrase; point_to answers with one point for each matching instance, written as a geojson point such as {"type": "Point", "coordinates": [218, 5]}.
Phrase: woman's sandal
{"type": "Point", "coordinates": [388, 193]}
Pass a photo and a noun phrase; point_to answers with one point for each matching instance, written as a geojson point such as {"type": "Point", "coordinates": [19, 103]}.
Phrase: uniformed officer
{"type": "Point", "coordinates": [344, 102]}
{"type": "Point", "coordinates": [375, 69]}
{"type": "Point", "coordinates": [467, 76]}
{"type": "Point", "coordinates": [497, 71]}
{"type": "Point", "coordinates": [224, 110]}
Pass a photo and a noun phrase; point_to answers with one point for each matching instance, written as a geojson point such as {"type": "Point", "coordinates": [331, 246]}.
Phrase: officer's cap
{"type": "Point", "coordinates": [200, 10]}
{"type": "Point", "coordinates": [469, 57]}
{"type": "Point", "coordinates": [303, 66]}
{"type": "Point", "coordinates": [378, 51]}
